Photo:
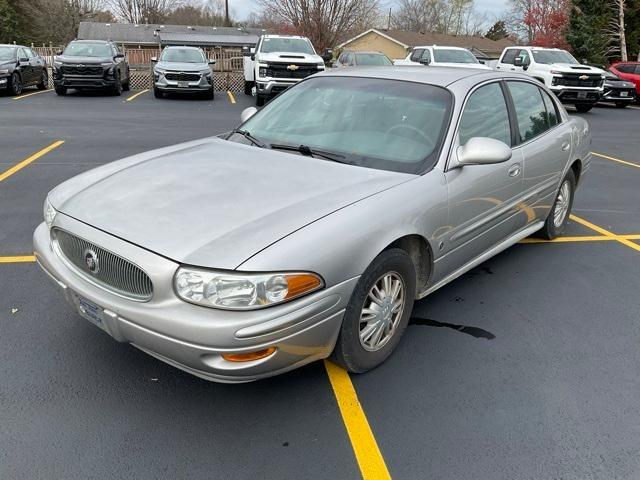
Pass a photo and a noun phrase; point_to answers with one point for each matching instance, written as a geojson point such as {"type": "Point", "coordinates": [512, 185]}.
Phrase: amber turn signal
{"type": "Point", "coordinates": [301, 283]}
{"type": "Point", "coordinates": [248, 357]}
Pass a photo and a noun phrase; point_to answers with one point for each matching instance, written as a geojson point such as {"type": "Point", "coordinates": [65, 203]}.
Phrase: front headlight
{"type": "Point", "coordinates": [49, 212]}
{"type": "Point", "coordinates": [4, 71]}
{"type": "Point", "coordinates": [242, 291]}
{"type": "Point", "coordinates": [159, 71]}
{"type": "Point", "coordinates": [262, 72]}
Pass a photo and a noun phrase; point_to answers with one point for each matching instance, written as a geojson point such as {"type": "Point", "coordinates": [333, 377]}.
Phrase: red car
{"type": "Point", "coordinates": [629, 71]}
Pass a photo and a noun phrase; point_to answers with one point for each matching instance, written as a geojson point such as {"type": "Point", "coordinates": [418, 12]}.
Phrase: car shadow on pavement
{"type": "Point", "coordinates": [476, 332]}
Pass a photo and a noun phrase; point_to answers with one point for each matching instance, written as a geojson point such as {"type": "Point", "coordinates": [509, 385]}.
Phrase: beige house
{"type": "Point", "coordinates": [396, 44]}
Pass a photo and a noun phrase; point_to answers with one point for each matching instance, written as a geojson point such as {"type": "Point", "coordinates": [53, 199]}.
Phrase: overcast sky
{"type": "Point", "coordinates": [494, 9]}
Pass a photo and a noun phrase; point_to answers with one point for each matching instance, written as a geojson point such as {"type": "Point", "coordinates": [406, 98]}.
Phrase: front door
{"type": "Point", "coordinates": [483, 199]}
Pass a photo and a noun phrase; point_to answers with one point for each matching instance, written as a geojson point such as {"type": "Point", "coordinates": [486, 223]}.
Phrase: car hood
{"type": "Point", "coordinates": [290, 57]}
{"type": "Point", "coordinates": [574, 68]}
{"type": "Point", "coordinates": [214, 203]}
{"type": "Point", "coordinates": [611, 82]}
{"type": "Point", "coordinates": [183, 67]}
{"type": "Point", "coordinates": [83, 60]}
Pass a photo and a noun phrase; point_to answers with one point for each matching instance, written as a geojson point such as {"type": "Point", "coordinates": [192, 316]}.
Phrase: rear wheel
{"type": "Point", "coordinates": [558, 217]}
{"type": "Point", "coordinates": [621, 105]}
{"type": "Point", "coordinates": [16, 84]}
{"type": "Point", "coordinates": [44, 80]}
{"type": "Point", "coordinates": [378, 312]}
{"type": "Point", "coordinates": [583, 107]}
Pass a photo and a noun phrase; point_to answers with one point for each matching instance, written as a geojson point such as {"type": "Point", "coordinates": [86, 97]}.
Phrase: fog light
{"type": "Point", "coordinates": [249, 357]}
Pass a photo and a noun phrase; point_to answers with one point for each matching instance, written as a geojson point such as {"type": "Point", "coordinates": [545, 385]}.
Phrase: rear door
{"type": "Point", "coordinates": [26, 70]}
{"type": "Point", "coordinates": [483, 199]}
{"type": "Point", "coordinates": [546, 147]}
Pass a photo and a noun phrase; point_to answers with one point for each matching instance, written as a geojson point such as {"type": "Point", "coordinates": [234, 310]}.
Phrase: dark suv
{"type": "Point", "coordinates": [90, 64]}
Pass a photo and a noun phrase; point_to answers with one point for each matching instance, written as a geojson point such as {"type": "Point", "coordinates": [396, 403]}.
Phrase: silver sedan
{"type": "Point", "coordinates": [310, 230]}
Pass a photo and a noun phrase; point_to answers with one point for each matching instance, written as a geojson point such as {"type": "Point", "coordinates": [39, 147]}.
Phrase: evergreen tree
{"type": "Point", "coordinates": [498, 31]}
{"type": "Point", "coordinates": [9, 23]}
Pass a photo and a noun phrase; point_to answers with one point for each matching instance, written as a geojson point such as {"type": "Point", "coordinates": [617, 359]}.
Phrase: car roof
{"type": "Point", "coordinates": [188, 47]}
{"type": "Point", "coordinates": [91, 41]}
{"type": "Point", "coordinates": [441, 76]}
{"type": "Point", "coordinates": [368, 52]}
{"type": "Point", "coordinates": [283, 36]}
{"type": "Point", "coordinates": [442, 47]}
{"type": "Point", "coordinates": [10, 45]}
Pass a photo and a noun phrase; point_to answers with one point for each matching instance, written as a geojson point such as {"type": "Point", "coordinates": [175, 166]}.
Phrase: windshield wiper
{"type": "Point", "coordinates": [310, 152]}
{"type": "Point", "coordinates": [251, 138]}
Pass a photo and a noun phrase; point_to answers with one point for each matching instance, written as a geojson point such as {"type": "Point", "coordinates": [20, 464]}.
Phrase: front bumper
{"type": "Point", "coordinates": [577, 95]}
{"type": "Point", "coordinates": [192, 337]}
{"type": "Point", "coordinates": [4, 82]}
{"type": "Point", "coordinates": [203, 84]}
{"type": "Point", "coordinates": [75, 81]}
{"type": "Point", "coordinates": [269, 87]}
{"type": "Point", "coordinates": [614, 95]}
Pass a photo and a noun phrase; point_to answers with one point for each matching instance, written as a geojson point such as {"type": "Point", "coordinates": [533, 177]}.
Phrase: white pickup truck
{"type": "Point", "coordinates": [276, 63]}
{"type": "Point", "coordinates": [442, 56]}
{"type": "Point", "coordinates": [572, 82]}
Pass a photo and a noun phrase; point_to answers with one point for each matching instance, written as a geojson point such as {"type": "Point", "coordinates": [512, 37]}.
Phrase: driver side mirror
{"type": "Point", "coordinates": [482, 151]}
{"type": "Point", "coordinates": [212, 61]}
{"type": "Point", "coordinates": [520, 62]}
{"type": "Point", "coordinates": [59, 52]}
{"type": "Point", "coordinates": [23, 60]}
{"type": "Point", "coordinates": [118, 55]}
{"type": "Point", "coordinates": [425, 61]}
{"type": "Point", "coordinates": [154, 59]}
{"type": "Point", "coordinates": [247, 113]}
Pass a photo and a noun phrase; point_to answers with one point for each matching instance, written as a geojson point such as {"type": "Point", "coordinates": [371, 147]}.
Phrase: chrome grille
{"type": "Point", "coordinates": [113, 272]}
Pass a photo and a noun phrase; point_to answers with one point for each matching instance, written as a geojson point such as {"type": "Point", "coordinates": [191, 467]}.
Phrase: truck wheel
{"type": "Point", "coordinates": [583, 107]}
{"type": "Point", "coordinates": [247, 87]}
{"type": "Point", "coordinates": [259, 100]}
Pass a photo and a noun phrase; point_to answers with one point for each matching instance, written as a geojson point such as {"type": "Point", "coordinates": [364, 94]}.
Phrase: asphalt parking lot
{"type": "Point", "coordinates": [524, 368]}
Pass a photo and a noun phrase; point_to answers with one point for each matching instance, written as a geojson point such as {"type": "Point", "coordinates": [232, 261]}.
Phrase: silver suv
{"type": "Point", "coordinates": [182, 69]}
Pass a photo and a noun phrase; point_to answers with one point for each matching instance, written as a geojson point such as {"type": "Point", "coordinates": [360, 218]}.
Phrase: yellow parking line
{"type": "Point", "coordinates": [624, 162]}
{"type": "Point", "coordinates": [30, 159]}
{"type": "Point", "coordinates": [364, 444]}
{"type": "Point", "coordinates": [583, 238]}
{"type": "Point", "coordinates": [33, 93]}
{"type": "Point", "coordinates": [18, 259]}
{"type": "Point", "coordinates": [619, 238]}
{"type": "Point", "coordinates": [231, 97]}
{"type": "Point", "coordinates": [135, 95]}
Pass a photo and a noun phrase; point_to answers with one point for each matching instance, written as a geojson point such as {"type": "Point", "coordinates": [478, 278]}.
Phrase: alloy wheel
{"type": "Point", "coordinates": [562, 204]}
{"type": "Point", "coordinates": [16, 84]}
{"type": "Point", "coordinates": [382, 311]}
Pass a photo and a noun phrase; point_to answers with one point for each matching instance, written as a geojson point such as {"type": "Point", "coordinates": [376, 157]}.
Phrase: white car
{"type": "Point", "coordinates": [572, 82]}
{"type": "Point", "coordinates": [442, 56]}
{"type": "Point", "coordinates": [278, 62]}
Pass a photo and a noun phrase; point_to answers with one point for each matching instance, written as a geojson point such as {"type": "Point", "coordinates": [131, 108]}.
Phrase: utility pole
{"type": "Point", "coordinates": [226, 13]}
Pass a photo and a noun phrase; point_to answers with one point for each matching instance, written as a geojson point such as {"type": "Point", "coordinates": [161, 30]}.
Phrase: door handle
{"type": "Point", "coordinates": [565, 146]}
{"type": "Point", "coordinates": [514, 170]}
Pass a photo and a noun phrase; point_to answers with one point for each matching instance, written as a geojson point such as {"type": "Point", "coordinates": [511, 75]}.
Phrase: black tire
{"type": "Point", "coordinates": [62, 91]}
{"type": "Point", "coordinates": [126, 86]}
{"type": "Point", "coordinates": [116, 90]}
{"type": "Point", "coordinates": [44, 80]}
{"type": "Point", "coordinates": [550, 230]}
{"type": "Point", "coordinates": [16, 84]}
{"type": "Point", "coordinates": [349, 351]}
{"type": "Point", "coordinates": [621, 105]}
{"type": "Point", "coordinates": [157, 92]}
{"type": "Point", "coordinates": [247, 87]}
{"type": "Point", "coordinates": [583, 107]}
{"type": "Point", "coordinates": [260, 100]}
{"type": "Point", "coordinates": [209, 94]}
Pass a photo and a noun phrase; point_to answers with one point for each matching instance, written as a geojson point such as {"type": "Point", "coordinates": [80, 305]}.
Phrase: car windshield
{"type": "Point", "coordinates": [553, 56]}
{"type": "Point", "coordinates": [372, 59]}
{"type": "Point", "coordinates": [7, 53]}
{"type": "Point", "coordinates": [453, 56]}
{"type": "Point", "coordinates": [376, 123]}
{"type": "Point", "coordinates": [183, 55]}
{"type": "Point", "coordinates": [88, 50]}
{"type": "Point", "coordinates": [290, 45]}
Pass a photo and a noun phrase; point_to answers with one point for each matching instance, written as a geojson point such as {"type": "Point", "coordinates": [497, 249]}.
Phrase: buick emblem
{"type": "Point", "coordinates": [584, 77]}
{"type": "Point", "coordinates": [293, 68]}
{"type": "Point", "coordinates": [91, 261]}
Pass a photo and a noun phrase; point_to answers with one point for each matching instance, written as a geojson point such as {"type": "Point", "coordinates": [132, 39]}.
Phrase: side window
{"type": "Point", "coordinates": [553, 118]}
{"type": "Point", "coordinates": [485, 115]}
{"type": "Point", "coordinates": [426, 56]}
{"type": "Point", "coordinates": [530, 109]}
{"type": "Point", "coordinates": [351, 60]}
{"type": "Point", "coordinates": [416, 55]}
{"type": "Point", "coordinates": [509, 56]}
{"type": "Point", "coordinates": [29, 53]}
{"type": "Point", "coordinates": [625, 68]}
{"type": "Point", "coordinates": [22, 54]}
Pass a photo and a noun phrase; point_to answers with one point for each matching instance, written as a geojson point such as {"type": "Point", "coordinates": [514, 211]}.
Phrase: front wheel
{"type": "Point", "coordinates": [62, 91]}
{"type": "Point", "coordinates": [583, 107]}
{"type": "Point", "coordinates": [247, 87]}
{"type": "Point", "coordinates": [378, 312]}
{"type": "Point", "coordinates": [621, 105]}
{"type": "Point", "coordinates": [116, 90]}
{"type": "Point", "coordinates": [16, 84]}
{"type": "Point", "coordinates": [209, 94]}
{"type": "Point", "coordinates": [157, 92]}
{"type": "Point", "coordinates": [260, 100]}
{"type": "Point", "coordinates": [558, 217]}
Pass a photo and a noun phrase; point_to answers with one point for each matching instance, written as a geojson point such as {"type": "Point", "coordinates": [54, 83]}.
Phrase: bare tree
{"type": "Point", "coordinates": [325, 22]}
{"type": "Point", "coordinates": [617, 27]}
{"type": "Point", "coordinates": [144, 11]}
{"type": "Point", "coordinates": [451, 17]}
